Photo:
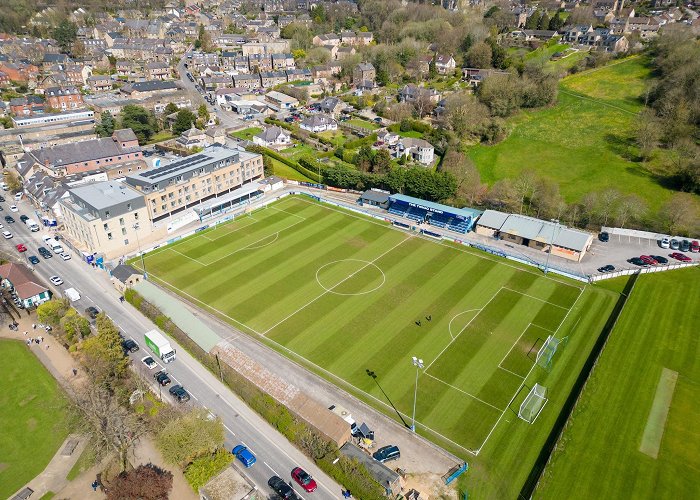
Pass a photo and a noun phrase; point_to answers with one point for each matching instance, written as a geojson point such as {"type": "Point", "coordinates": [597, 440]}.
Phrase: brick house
{"type": "Point", "coordinates": [63, 98]}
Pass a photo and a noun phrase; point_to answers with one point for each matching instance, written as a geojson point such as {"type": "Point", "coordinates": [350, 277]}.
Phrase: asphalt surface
{"type": "Point", "coordinates": [275, 455]}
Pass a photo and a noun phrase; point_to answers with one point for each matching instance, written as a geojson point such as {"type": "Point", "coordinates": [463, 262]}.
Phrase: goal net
{"type": "Point", "coordinates": [546, 353]}
{"type": "Point", "coordinates": [533, 404]}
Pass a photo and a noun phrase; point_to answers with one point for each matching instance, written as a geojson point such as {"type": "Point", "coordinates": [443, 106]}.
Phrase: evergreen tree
{"type": "Point", "coordinates": [543, 23]}
{"type": "Point", "coordinates": [106, 125]}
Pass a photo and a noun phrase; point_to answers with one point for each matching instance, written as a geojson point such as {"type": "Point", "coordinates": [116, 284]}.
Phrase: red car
{"type": "Point", "coordinates": [680, 256]}
{"type": "Point", "coordinates": [694, 246]}
{"type": "Point", "coordinates": [304, 480]}
{"type": "Point", "coordinates": [648, 259]}
{"type": "Point", "coordinates": [21, 248]}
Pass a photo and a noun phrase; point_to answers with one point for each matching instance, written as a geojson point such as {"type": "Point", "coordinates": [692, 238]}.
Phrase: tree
{"type": "Point", "coordinates": [65, 34]}
{"type": "Point", "coordinates": [268, 168]}
{"type": "Point", "coordinates": [106, 125]}
{"type": "Point", "coordinates": [184, 120]}
{"type": "Point", "coordinates": [103, 355]}
{"type": "Point", "coordinates": [630, 208]}
{"type": "Point", "coordinates": [501, 93]}
{"type": "Point", "coordinates": [14, 183]}
{"type": "Point", "coordinates": [469, 186]}
{"type": "Point", "coordinates": [75, 326]}
{"type": "Point", "coordinates": [140, 120]}
{"type": "Point", "coordinates": [464, 115]}
{"type": "Point", "coordinates": [543, 22]}
{"type": "Point", "coordinates": [146, 482]}
{"type": "Point", "coordinates": [51, 312]}
{"type": "Point", "coordinates": [203, 41]}
{"type": "Point", "coordinates": [556, 22]}
{"type": "Point", "coordinates": [526, 187]}
{"type": "Point", "coordinates": [170, 109]}
{"type": "Point", "coordinates": [189, 436]}
{"type": "Point", "coordinates": [203, 112]}
{"type": "Point", "coordinates": [647, 133]}
{"type": "Point", "coordinates": [381, 163]}
{"type": "Point", "coordinates": [678, 214]}
{"type": "Point", "coordinates": [363, 159]}
{"type": "Point", "coordinates": [533, 20]}
{"type": "Point", "coordinates": [503, 195]}
{"type": "Point", "coordinates": [479, 55]}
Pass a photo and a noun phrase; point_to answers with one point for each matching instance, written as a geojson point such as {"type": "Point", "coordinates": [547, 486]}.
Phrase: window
{"type": "Point", "coordinates": [109, 236]}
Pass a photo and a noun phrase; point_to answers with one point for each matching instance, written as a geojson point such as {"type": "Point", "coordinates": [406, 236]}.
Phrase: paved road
{"type": "Point", "coordinates": [274, 453]}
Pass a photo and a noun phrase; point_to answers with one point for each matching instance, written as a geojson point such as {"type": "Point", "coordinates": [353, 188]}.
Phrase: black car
{"type": "Point", "coordinates": [130, 345]}
{"type": "Point", "coordinates": [33, 259]}
{"type": "Point", "coordinates": [23, 218]}
{"type": "Point", "coordinates": [685, 246]}
{"type": "Point", "coordinates": [280, 487]}
{"type": "Point", "coordinates": [2, 198]}
{"type": "Point", "coordinates": [637, 262]}
{"type": "Point", "coordinates": [162, 378]}
{"type": "Point", "coordinates": [387, 453]}
{"type": "Point", "coordinates": [92, 312]}
{"type": "Point", "coordinates": [179, 393]}
{"type": "Point", "coordinates": [604, 237]}
{"type": "Point", "coordinates": [45, 253]}
{"type": "Point", "coordinates": [660, 259]}
{"type": "Point", "coordinates": [9, 219]}
{"type": "Point", "coordinates": [606, 269]}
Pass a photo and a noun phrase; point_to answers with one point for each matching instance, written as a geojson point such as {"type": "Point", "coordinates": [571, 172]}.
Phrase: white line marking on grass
{"type": "Point", "coordinates": [449, 326]}
{"type": "Point", "coordinates": [512, 373]}
{"type": "Point", "coordinates": [329, 290]}
{"type": "Point", "coordinates": [225, 226]}
{"type": "Point", "coordinates": [350, 276]}
{"type": "Point", "coordinates": [288, 213]}
{"type": "Point", "coordinates": [512, 346]}
{"type": "Point", "coordinates": [464, 392]}
{"type": "Point", "coordinates": [462, 330]}
{"type": "Point", "coordinates": [534, 365]}
{"type": "Point", "coordinates": [188, 257]}
{"type": "Point", "coordinates": [537, 298]}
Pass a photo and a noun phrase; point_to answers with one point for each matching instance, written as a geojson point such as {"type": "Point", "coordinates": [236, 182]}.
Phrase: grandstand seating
{"type": "Point", "coordinates": [413, 213]}
{"type": "Point", "coordinates": [459, 226]}
{"type": "Point", "coordinates": [438, 220]}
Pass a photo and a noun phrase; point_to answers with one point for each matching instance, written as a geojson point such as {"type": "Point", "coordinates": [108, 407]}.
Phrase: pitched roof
{"type": "Point", "coordinates": [123, 272]}
{"type": "Point", "coordinates": [22, 279]}
{"type": "Point", "coordinates": [271, 134]}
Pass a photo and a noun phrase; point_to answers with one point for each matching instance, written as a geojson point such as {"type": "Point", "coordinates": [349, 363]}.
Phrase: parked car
{"type": "Point", "coordinates": [162, 378]}
{"type": "Point", "coordinates": [179, 393]}
{"type": "Point", "coordinates": [149, 362]}
{"type": "Point", "coordinates": [685, 246]}
{"type": "Point", "coordinates": [606, 269]}
{"type": "Point", "coordinates": [664, 242]}
{"type": "Point", "coordinates": [130, 345]}
{"type": "Point", "coordinates": [695, 246]}
{"type": "Point", "coordinates": [637, 262]}
{"type": "Point", "coordinates": [280, 487]}
{"type": "Point", "coordinates": [675, 244]}
{"type": "Point", "coordinates": [23, 218]}
{"type": "Point", "coordinates": [33, 259]}
{"type": "Point", "coordinates": [648, 259]}
{"type": "Point", "coordinates": [7, 235]}
{"type": "Point", "coordinates": [45, 253]}
{"type": "Point", "coordinates": [604, 237]}
{"type": "Point", "coordinates": [387, 453]}
{"type": "Point", "coordinates": [244, 455]}
{"type": "Point", "coordinates": [92, 312]}
{"type": "Point", "coordinates": [680, 256]}
{"type": "Point", "coordinates": [303, 479]}
{"type": "Point", "coordinates": [13, 208]}
{"type": "Point", "coordinates": [65, 256]}
{"type": "Point", "coordinates": [56, 280]}
{"type": "Point", "coordinates": [21, 248]}
{"type": "Point", "coordinates": [9, 219]}
{"type": "Point", "coordinates": [660, 259]}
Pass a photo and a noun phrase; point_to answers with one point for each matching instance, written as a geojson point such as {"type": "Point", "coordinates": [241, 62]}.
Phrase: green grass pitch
{"type": "Point", "coordinates": [32, 417]}
{"type": "Point", "coordinates": [342, 294]}
{"type": "Point", "coordinates": [601, 450]}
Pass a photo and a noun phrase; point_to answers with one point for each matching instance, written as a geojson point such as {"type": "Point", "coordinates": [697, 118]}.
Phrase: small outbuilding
{"type": "Point", "coordinates": [29, 289]}
{"type": "Point", "coordinates": [376, 198]}
{"type": "Point", "coordinates": [125, 276]}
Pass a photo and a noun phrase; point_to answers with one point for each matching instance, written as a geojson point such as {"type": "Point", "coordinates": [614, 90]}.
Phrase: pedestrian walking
{"type": "Point", "coordinates": [94, 485]}
{"type": "Point", "coordinates": [25, 333]}
{"type": "Point", "coordinates": [75, 372]}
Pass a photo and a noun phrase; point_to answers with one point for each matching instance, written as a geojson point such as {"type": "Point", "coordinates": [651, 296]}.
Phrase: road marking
{"type": "Point", "coordinates": [273, 470]}
{"type": "Point", "coordinates": [227, 428]}
{"type": "Point", "coordinates": [249, 448]}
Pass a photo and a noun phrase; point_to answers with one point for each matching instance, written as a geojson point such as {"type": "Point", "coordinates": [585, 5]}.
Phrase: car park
{"type": "Point", "coordinates": [162, 378]}
{"type": "Point", "coordinates": [303, 479]}
{"type": "Point", "coordinates": [13, 208]}
{"type": "Point", "coordinates": [648, 259]}
{"type": "Point", "coordinates": [680, 256]}
{"type": "Point", "coordinates": [33, 259]}
{"type": "Point", "coordinates": [56, 280]}
{"type": "Point", "coordinates": [604, 237]}
{"type": "Point", "coordinates": [660, 259]}
{"type": "Point", "coordinates": [9, 219]}
{"type": "Point", "coordinates": [279, 486]}
{"type": "Point", "coordinates": [637, 262]}
{"type": "Point", "coordinates": [130, 345]}
{"type": "Point", "coordinates": [244, 455]}
{"type": "Point", "coordinates": [7, 235]}
{"type": "Point", "coordinates": [387, 453]}
{"type": "Point", "coordinates": [685, 246]}
{"type": "Point", "coordinates": [149, 362]}
{"type": "Point", "coordinates": [675, 244]}
{"type": "Point", "coordinates": [23, 218]}
{"type": "Point", "coordinates": [179, 393]}
{"type": "Point", "coordinates": [664, 242]}
{"type": "Point", "coordinates": [21, 248]}
{"type": "Point", "coordinates": [92, 312]}
{"type": "Point", "coordinates": [606, 269]}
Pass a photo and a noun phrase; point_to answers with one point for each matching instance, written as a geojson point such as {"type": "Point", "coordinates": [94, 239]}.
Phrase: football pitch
{"type": "Point", "coordinates": [344, 294]}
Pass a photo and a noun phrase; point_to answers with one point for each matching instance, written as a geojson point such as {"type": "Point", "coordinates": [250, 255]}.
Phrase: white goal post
{"type": "Point", "coordinates": [533, 404]}
{"type": "Point", "coordinates": [547, 351]}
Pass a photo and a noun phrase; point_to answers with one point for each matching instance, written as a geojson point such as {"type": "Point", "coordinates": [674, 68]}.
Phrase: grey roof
{"type": "Point", "coordinates": [123, 272]}
{"type": "Point", "coordinates": [100, 195]}
{"type": "Point", "coordinates": [376, 196]}
{"type": "Point", "coordinates": [124, 135]}
{"type": "Point", "coordinates": [365, 67]}
{"type": "Point", "coordinates": [65, 154]}
{"type": "Point", "coordinates": [271, 134]}
{"type": "Point", "coordinates": [149, 86]}
{"type": "Point", "coordinates": [492, 219]}
{"type": "Point", "coordinates": [317, 121]}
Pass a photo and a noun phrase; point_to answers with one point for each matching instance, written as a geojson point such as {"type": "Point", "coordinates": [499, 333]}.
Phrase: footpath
{"type": "Point", "coordinates": [61, 364]}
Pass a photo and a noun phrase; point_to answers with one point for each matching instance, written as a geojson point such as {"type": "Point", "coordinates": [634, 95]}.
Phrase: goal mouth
{"type": "Point", "coordinates": [533, 404]}
{"type": "Point", "coordinates": [549, 348]}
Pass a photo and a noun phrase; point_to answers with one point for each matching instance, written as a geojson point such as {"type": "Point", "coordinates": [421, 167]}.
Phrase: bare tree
{"type": "Point", "coordinates": [504, 195]}
{"type": "Point", "coordinates": [469, 185]}
{"type": "Point", "coordinates": [647, 133]}
{"type": "Point", "coordinates": [607, 204]}
{"type": "Point", "coordinates": [423, 104]}
{"type": "Point", "coordinates": [679, 214]}
{"type": "Point", "coordinates": [526, 186]}
{"type": "Point", "coordinates": [146, 482]}
{"type": "Point", "coordinates": [630, 208]}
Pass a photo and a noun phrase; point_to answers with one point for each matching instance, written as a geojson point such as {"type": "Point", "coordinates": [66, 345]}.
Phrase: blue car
{"type": "Point", "coordinates": [244, 455]}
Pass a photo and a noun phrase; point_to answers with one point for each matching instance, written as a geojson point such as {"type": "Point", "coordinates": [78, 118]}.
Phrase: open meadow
{"type": "Point", "coordinates": [343, 294]}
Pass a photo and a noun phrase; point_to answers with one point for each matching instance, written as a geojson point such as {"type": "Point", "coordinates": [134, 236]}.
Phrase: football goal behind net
{"type": "Point", "coordinates": [546, 353]}
{"type": "Point", "coordinates": [533, 404]}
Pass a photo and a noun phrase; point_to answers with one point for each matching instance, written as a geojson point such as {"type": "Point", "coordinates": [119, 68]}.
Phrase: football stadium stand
{"type": "Point", "coordinates": [459, 220]}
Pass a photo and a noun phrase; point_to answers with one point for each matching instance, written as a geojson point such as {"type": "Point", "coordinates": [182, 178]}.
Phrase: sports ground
{"type": "Point", "coordinates": [344, 294]}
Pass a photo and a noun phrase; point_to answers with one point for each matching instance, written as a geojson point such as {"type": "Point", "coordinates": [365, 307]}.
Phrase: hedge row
{"type": "Point", "coordinates": [348, 472]}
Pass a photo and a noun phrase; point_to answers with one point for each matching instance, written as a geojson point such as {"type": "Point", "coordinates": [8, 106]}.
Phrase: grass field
{"type": "Point", "coordinates": [363, 123]}
{"type": "Point", "coordinates": [656, 332]}
{"type": "Point", "coordinates": [32, 417]}
{"type": "Point", "coordinates": [584, 141]}
{"type": "Point", "coordinates": [247, 133]}
{"type": "Point", "coordinates": [342, 294]}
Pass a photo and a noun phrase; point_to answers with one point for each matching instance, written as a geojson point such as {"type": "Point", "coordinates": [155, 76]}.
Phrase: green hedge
{"type": "Point", "coordinates": [349, 473]}
{"type": "Point", "coordinates": [202, 469]}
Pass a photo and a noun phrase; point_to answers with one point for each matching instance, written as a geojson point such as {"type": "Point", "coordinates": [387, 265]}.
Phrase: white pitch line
{"type": "Point", "coordinates": [512, 346]}
{"type": "Point", "coordinates": [329, 290]}
{"type": "Point", "coordinates": [512, 373]}
{"type": "Point", "coordinates": [536, 298]}
{"type": "Point", "coordinates": [464, 392]}
{"type": "Point", "coordinates": [188, 257]}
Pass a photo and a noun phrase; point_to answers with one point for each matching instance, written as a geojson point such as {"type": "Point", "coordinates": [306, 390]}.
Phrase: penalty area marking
{"type": "Point", "coordinates": [449, 326]}
{"type": "Point", "coordinates": [366, 265]}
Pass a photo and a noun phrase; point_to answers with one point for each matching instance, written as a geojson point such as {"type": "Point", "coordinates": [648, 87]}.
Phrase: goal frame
{"type": "Point", "coordinates": [546, 353]}
{"type": "Point", "coordinates": [533, 394]}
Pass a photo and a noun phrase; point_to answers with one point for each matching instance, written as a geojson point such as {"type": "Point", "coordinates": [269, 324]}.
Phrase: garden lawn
{"type": "Point", "coordinates": [282, 170]}
{"type": "Point", "coordinates": [340, 294]}
{"type": "Point", "coordinates": [599, 453]}
{"type": "Point", "coordinates": [363, 123]}
{"type": "Point", "coordinates": [583, 142]}
{"type": "Point", "coordinates": [301, 150]}
{"type": "Point", "coordinates": [247, 133]}
{"type": "Point", "coordinates": [32, 417]}
{"type": "Point", "coordinates": [336, 136]}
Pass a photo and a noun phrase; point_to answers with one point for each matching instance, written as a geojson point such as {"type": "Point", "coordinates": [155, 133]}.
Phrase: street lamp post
{"type": "Point", "coordinates": [138, 241]}
{"type": "Point", "coordinates": [551, 244]}
{"type": "Point", "coordinates": [418, 363]}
